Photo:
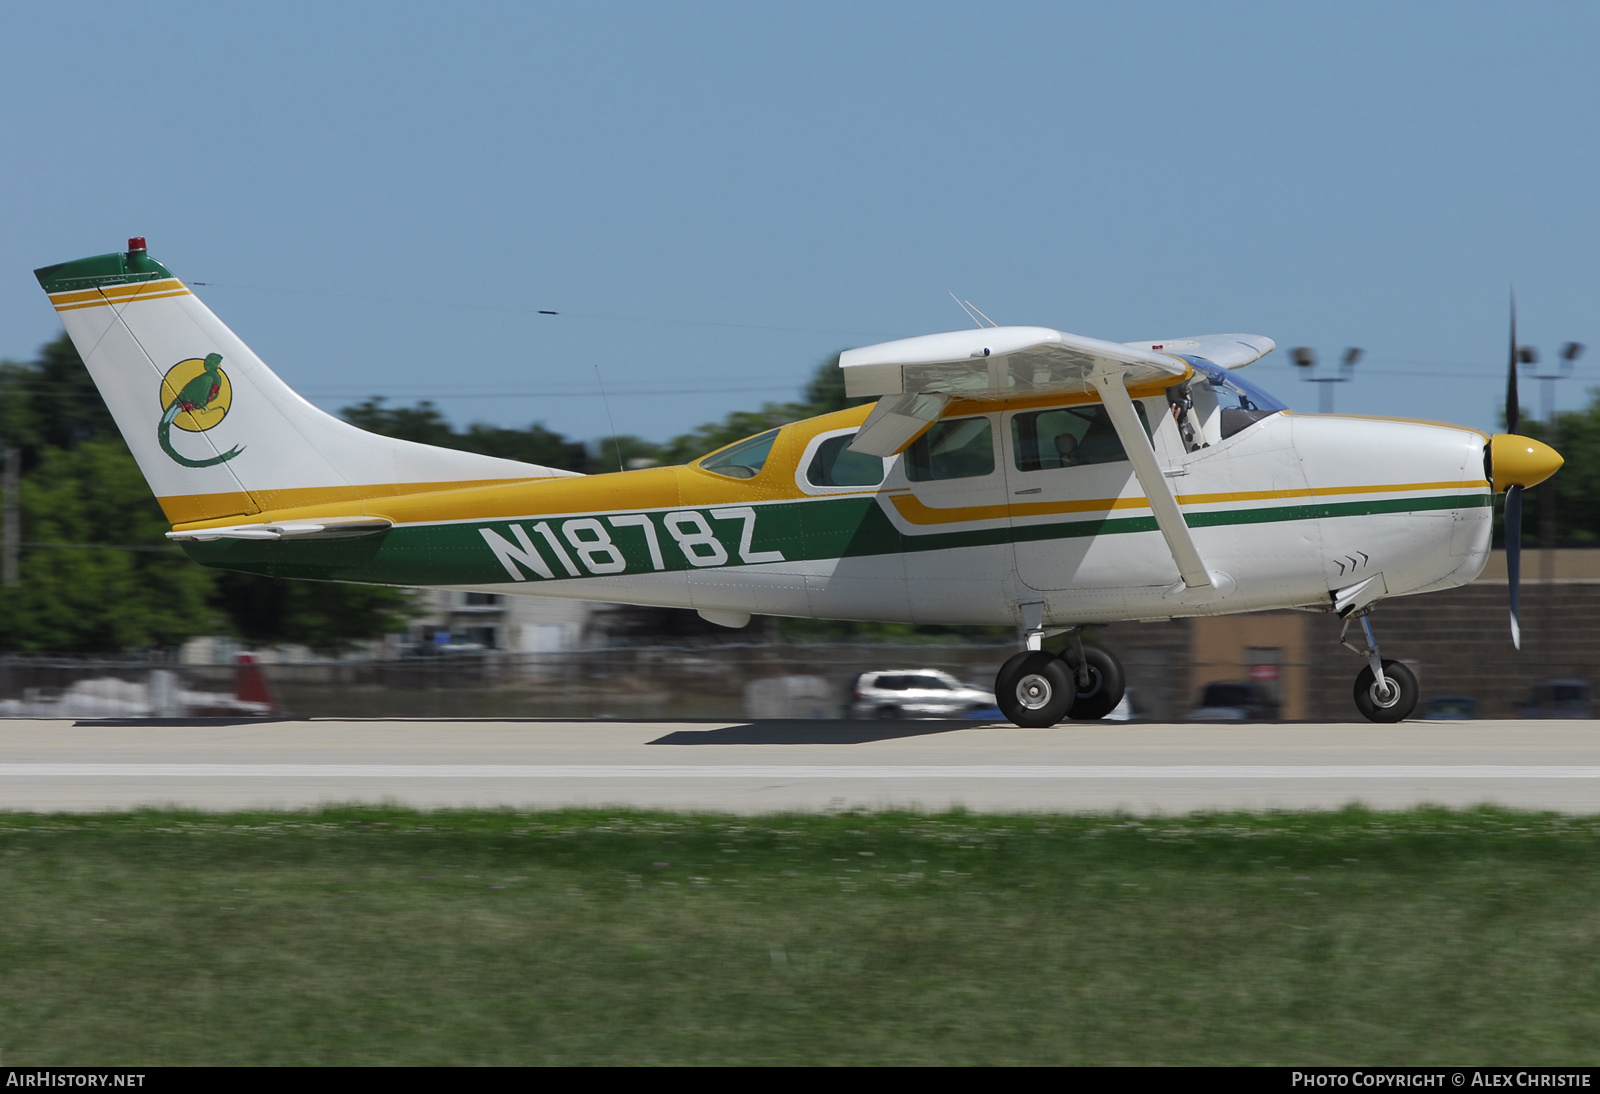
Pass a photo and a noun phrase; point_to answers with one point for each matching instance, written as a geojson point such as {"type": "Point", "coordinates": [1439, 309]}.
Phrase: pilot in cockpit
{"type": "Point", "coordinates": [1214, 404]}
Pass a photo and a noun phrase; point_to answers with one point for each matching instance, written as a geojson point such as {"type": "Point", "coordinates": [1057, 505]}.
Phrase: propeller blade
{"type": "Point", "coordinates": [1514, 557]}
{"type": "Point", "coordinates": [1513, 405]}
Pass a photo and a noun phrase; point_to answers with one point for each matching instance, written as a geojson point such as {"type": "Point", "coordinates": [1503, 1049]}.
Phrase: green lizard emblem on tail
{"type": "Point", "coordinates": [197, 396]}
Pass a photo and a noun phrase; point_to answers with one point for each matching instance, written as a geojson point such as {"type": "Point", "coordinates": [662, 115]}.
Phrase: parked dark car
{"type": "Point", "coordinates": [1450, 708]}
{"type": "Point", "coordinates": [1559, 699]}
{"type": "Point", "coordinates": [1234, 702]}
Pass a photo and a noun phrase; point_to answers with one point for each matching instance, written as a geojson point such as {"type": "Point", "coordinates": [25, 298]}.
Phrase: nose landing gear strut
{"type": "Point", "coordinates": [1386, 690]}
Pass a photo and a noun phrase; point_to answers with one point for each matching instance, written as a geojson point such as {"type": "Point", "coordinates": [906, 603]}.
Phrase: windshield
{"type": "Point", "coordinates": [1214, 404]}
{"type": "Point", "coordinates": [1234, 390]}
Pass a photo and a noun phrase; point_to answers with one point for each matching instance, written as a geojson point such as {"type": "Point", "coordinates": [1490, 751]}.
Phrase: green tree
{"type": "Point", "coordinates": [426, 424]}
{"type": "Point", "coordinates": [823, 394]}
{"type": "Point", "coordinates": [422, 423]}
{"type": "Point", "coordinates": [326, 616]}
{"type": "Point", "coordinates": [624, 452]}
{"type": "Point", "coordinates": [50, 402]}
{"type": "Point", "coordinates": [98, 575]}
{"type": "Point", "coordinates": [1576, 435]}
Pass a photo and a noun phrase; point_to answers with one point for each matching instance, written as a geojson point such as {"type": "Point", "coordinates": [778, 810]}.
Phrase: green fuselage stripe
{"type": "Point", "coordinates": [822, 528]}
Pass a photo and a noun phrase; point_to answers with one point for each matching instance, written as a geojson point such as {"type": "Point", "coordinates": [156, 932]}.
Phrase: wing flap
{"type": "Point", "coordinates": [896, 421]}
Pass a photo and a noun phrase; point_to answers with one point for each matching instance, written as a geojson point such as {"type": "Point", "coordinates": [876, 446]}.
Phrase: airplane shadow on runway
{"type": "Point", "coordinates": [810, 733]}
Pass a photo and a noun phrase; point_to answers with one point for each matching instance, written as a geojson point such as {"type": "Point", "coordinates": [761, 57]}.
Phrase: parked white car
{"type": "Point", "coordinates": [915, 693]}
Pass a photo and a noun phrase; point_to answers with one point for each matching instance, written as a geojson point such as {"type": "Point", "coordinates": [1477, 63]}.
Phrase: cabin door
{"type": "Point", "coordinates": [1075, 506]}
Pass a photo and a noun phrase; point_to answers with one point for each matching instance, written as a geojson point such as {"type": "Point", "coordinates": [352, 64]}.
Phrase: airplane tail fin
{"type": "Point", "coordinates": [214, 430]}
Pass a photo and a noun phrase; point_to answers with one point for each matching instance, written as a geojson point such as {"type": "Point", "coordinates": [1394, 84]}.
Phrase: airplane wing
{"type": "Point", "coordinates": [916, 378]}
{"type": "Point", "coordinates": [998, 361]}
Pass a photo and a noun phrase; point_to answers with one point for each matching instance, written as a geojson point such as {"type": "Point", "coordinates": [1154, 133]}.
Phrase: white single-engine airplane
{"type": "Point", "coordinates": [1006, 475]}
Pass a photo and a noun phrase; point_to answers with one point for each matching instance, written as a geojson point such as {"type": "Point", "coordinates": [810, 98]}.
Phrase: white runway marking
{"type": "Point", "coordinates": [785, 771]}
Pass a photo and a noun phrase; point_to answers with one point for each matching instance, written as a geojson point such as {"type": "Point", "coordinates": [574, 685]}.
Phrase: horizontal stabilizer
{"type": "Point", "coordinates": [320, 528]}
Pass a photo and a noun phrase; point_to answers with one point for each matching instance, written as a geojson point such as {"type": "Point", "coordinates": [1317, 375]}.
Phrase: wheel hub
{"type": "Point", "coordinates": [1087, 689]}
{"type": "Point", "coordinates": [1034, 691]}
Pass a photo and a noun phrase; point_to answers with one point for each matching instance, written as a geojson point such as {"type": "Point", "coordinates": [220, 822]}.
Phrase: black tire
{"type": "Point", "coordinates": [1034, 689]}
{"type": "Point", "coordinates": [887, 714]}
{"type": "Point", "coordinates": [1106, 687]}
{"type": "Point", "coordinates": [1394, 707]}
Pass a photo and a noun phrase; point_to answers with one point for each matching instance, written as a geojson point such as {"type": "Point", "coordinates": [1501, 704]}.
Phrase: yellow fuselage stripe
{"type": "Point", "coordinates": [915, 512]}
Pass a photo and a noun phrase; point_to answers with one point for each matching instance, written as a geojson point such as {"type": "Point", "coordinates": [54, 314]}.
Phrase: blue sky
{"type": "Point", "coordinates": [716, 197]}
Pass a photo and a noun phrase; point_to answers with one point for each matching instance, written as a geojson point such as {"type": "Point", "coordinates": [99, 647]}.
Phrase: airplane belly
{"type": "Point", "coordinates": [764, 590]}
{"type": "Point", "coordinates": [964, 585]}
{"type": "Point", "coordinates": [870, 587]}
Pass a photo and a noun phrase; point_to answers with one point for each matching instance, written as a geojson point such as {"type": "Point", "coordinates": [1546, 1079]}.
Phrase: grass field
{"type": "Point", "coordinates": [387, 936]}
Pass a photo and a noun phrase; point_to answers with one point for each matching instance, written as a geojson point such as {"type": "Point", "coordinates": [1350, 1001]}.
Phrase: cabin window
{"type": "Point", "coordinates": [835, 465]}
{"type": "Point", "coordinates": [1068, 436]}
{"type": "Point", "coordinates": [961, 448]}
{"type": "Point", "coordinates": [743, 460]}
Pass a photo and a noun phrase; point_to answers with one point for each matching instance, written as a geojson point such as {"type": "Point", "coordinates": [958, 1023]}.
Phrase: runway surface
{"type": "Point", "coordinates": [763, 766]}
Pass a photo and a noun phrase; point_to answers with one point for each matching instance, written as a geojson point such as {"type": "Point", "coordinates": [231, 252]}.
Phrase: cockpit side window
{"type": "Point", "coordinates": [836, 465]}
{"type": "Point", "coordinates": [1068, 436]}
{"type": "Point", "coordinates": [743, 460]}
{"type": "Point", "coordinates": [958, 448]}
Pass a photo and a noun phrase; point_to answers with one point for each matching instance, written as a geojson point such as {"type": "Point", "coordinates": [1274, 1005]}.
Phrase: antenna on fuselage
{"type": "Point", "coordinates": [979, 320]}
{"type": "Point", "coordinates": [612, 422]}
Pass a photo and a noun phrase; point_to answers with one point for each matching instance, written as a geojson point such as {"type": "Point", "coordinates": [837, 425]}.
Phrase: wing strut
{"type": "Point", "coordinates": [1119, 405]}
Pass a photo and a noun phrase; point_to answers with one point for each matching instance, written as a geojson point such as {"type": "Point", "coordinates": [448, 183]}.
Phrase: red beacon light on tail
{"type": "Point", "coordinates": [136, 244]}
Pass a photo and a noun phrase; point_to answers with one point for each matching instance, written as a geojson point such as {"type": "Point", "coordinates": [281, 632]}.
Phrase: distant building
{"type": "Point", "coordinates": [1458, 642]}
{"type": "Point", "coordinates": [493, 621]}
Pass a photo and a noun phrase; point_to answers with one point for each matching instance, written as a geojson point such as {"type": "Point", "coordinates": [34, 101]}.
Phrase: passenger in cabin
{"type": "Point", "coordinates": [1067, 449]}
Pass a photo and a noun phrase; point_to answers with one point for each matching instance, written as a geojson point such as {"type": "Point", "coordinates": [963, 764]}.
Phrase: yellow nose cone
{"type": "Point", "coordinates": [1521, 461]}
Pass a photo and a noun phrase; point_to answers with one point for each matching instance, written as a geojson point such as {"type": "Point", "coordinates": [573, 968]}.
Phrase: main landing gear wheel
{"type": "Point", "coordinates": [1105, 689]}
{"type": "Point", "coordinates": [1034, 689]}
{"type": "Point", "coordinates": [1391, 703]}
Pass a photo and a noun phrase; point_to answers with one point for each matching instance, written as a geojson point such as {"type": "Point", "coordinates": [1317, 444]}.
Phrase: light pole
{"type": "Point", "coordinates": [1305, 358]}
{"type": "Point", "coordinates": [1528, 357]}
{"type": "Point", "coordinates": [10, 497]}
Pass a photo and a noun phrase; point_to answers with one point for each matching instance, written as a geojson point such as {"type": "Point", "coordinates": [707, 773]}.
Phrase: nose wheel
{"type": "Point", "coordinates": [1395, 698]}
{"type": "Point", "coordinates": [1386, 690]}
